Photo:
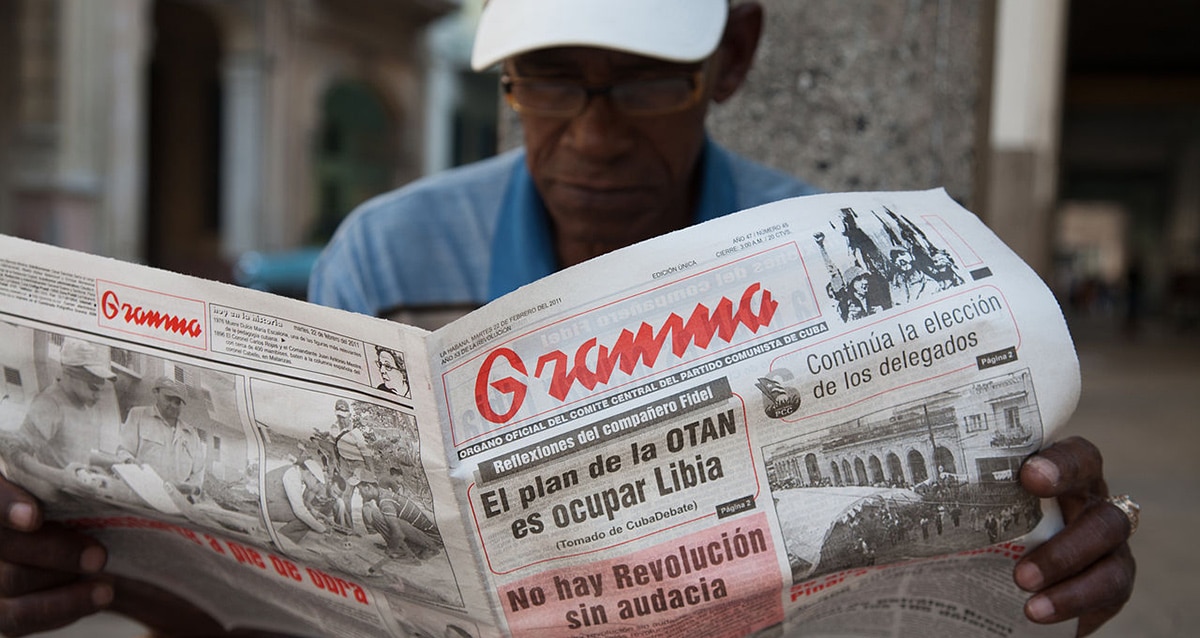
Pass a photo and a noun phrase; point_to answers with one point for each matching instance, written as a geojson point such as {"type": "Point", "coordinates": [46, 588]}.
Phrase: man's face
{"type": "Point", "coordinates": [941, 261]}
{"type": "Point", "coordinates": [390, 372]}
{"type": "Point", "coordinates": [83, 386]}
{"type": "Point", "coordinates": [904, 262]}
{"type": "Point", "coordinates": [610, 179]}
{"type": "Point", "coordinates": [311, 482]}
{"type": "Point", "coordinates": [860, 285]}
{"type": "Point", "coordinates": [169, 405]}
{"type": "Point", "coordinates": [387, 364]}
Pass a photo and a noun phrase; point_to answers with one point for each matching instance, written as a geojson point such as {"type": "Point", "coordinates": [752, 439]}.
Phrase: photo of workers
{"type": "Point", "coordinates": [81, 420]}
{"type": "Point", "coordinates": [345, 491]}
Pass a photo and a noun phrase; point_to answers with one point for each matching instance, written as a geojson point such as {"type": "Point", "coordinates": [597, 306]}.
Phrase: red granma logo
{"type": "Point", "coordinates": [630, 348]}
{"type": "Point", "coordinates": [141, 317]}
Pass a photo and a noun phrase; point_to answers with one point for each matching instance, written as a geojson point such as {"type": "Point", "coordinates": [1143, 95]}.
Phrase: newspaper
{"type": "Point", "coordinates": [804, 419]}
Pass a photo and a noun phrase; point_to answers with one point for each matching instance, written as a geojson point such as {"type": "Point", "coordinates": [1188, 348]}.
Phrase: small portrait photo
{"type": "Point", "coordinates": [393, 373]}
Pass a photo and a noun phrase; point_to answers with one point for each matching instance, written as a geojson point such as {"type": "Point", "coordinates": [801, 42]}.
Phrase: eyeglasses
{"type": "Point", "coordinates": [564, 98]}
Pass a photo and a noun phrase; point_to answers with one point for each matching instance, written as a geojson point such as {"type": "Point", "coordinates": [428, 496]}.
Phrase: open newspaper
{"type": "Point", "coordinates": [804, 419]}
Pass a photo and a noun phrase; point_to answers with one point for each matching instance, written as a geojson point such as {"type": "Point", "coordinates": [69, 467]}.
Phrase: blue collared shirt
{"type": "Point", "coordinates": [469, 235]}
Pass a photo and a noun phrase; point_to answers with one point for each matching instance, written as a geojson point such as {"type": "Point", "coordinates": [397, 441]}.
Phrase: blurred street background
{"type": "Point", "coordinates": [1139, 405]}
{"type": "Point", "coordinates": [228, 138]}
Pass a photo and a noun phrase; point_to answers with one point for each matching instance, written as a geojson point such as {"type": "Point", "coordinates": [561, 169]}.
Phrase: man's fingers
{"type": "Point", "coordinates": [16, 580]}
{"type": "Point", "coordinates": [18, 508]}
{"type": "Point", "coordinates": [1096, 532]}
{"type": "Point", "coordinates": [40, 566]}
{"type": "Point", "coordinates": [53, 547]}
{"type": "Point", "coordinates": [53, 608]}
{"type": "Point", "coordinates": [1094, 595]}
{"type": "Point", "coordinates": [1072, 467]}
{"type": "Point", "coordinates": [1086, 570]}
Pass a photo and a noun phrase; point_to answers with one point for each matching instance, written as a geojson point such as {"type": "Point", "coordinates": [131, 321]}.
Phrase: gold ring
{"type": "Point", "coordinates": [1130, 509]}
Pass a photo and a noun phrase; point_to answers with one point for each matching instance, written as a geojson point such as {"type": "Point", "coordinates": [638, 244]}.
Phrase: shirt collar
{"type": "Point", "coordinates": [523, 247]}
{"type": "Point", "coordinates": [179, 424]}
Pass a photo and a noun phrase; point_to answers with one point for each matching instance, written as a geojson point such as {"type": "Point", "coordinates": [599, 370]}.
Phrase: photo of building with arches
{"type": "Point", "coordinates": [930, 476]}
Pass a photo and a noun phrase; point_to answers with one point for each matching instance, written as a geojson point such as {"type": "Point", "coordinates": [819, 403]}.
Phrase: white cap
{"type": "Point", "coordinates": [88, 356]}
{"type": "Point", "coordinates": [316, 469]}
{"type": "Point", "coordinates": [675, 30]}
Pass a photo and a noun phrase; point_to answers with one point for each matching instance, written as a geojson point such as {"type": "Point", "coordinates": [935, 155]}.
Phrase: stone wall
{"type": "Point", "coordinates": [869, 94]}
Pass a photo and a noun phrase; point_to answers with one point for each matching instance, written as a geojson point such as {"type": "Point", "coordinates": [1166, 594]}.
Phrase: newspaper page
{"type": "Point", "coordinates": [279, 463]}
{"type": "Point", "coordinates": [805, 419]}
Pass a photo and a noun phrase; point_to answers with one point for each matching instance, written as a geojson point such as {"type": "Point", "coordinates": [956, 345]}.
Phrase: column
{"type": "Point", "coordinates": [123, 217]}
{"type": "Point", "coordinates": [1026, 113]}
{"type": "Point", "coordinates": [242, 153]}
{"type": "Point", "coordinates": [1184, 225]}
{"type": "Point", "coordinates": [73, 190]}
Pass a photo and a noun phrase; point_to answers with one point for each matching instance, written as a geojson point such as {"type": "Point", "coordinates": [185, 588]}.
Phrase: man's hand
{"type": "Point", "coordinates": [48, 574]}
{"type": "Point", "coordinates": [1086, 570]}
{"type": "Point", "coordinates": [50, 577]}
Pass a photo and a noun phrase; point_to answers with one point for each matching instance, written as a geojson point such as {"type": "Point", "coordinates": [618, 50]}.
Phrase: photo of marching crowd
{"type": "Point", "coordinates": [932, 476]}
{"type": "Point", "coordinates": [878, 261]}
{"type": "Point", "coordinates": [345, 491]}
{"type": "Point", "coordinates": [84, 422]}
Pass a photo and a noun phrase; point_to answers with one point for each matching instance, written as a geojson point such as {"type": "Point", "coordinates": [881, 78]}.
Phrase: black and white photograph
{"type": "Point", "coordinates": [346, 491]}
{"type": "Point", "coordinates": [392, 372]}
{"type": "Point", "coordinates": [878, 260]}
{"type": "Point", "coordinates": [84, 420]}
{"type": "Point", "coordinates": [927, 477]}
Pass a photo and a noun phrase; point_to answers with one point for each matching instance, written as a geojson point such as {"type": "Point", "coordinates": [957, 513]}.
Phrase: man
{"type": "Point", "coordinates": [293, 492]}
{"type": "Point", "coordinates": [612, 96]}
{"type": "Point", "coordinates": [942, 270]}
{"type": "Point", "coordinates": [342, 419]}
{"type": "Point", "coordinates": [387, 512]}
{"type": "Point", "coordinates": [156, 436]}
{"type": "Point", "coordinates": [855, 301]}
{"type": "Point", "coordinates": [393, 373]}
{"type": "Point", "coordinates": [909, 283]}
{"type": "Point", "coordinates": [616, 152]}
{"type": "Point", "coordinates": [62, 425]}
{"type": "Point", "coordinates": [350, 447]}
